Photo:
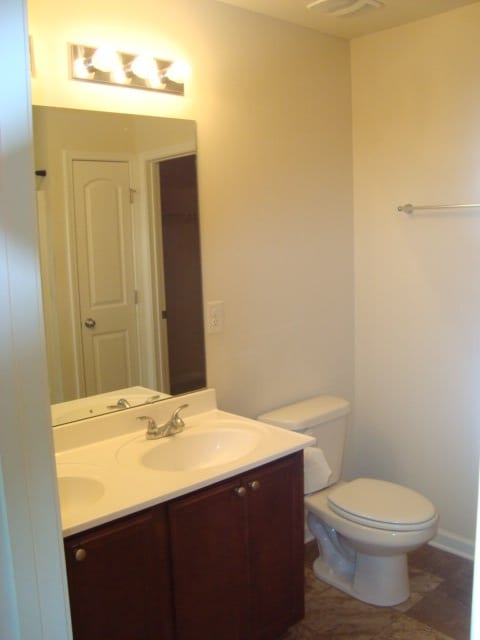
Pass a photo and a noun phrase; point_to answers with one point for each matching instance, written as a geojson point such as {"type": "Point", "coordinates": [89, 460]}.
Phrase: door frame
{"type": "Point", "coordinates": [49, 298]}
{"type": "Point", "coordinates": [150, 205]}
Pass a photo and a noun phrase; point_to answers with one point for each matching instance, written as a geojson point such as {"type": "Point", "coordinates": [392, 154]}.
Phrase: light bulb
{"type": "Point", "coordinates": [144, 67]}
{"type": "Point", "coordinates": [154, 82]}
{"type": "Point", "coordinates": [106, 59]}
{"type": "Point", "coordinates": [177, 72]}
{"type": "Point", "coordinates": [80, 69]}
{"type": "Point", "coordinates": [119, 76]}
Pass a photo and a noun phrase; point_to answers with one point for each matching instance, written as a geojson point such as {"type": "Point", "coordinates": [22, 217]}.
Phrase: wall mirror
{"type": "Point", "coordinates": [120, 259]}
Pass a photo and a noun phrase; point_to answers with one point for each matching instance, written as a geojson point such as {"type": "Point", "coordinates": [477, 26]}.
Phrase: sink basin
{"type": "Point", "coordinates": [77, 492]}
{"type": "Point", "coordinates": [196, 448]}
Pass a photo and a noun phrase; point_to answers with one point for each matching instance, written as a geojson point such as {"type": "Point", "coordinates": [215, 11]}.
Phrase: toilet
{"type": "Point", "coordinates": [364, 528]}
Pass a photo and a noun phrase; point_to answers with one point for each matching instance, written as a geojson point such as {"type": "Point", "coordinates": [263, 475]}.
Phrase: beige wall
{"type": "Point", "coordinates": [417, 139]}
{"type": "Point", "coordinates": [272, 105]}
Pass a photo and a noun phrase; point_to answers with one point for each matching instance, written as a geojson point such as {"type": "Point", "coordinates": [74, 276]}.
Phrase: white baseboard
{"type": "Point", "coordinates": [453, 543]}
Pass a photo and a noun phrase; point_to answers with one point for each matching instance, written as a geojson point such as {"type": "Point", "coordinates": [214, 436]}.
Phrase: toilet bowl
{"type": "Point", "coordinates": [364, 548]}
{"type": "Point", "coordinates": [364, 528]}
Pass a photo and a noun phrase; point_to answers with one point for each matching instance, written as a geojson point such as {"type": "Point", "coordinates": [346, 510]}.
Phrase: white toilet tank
{"type": "Point", "coordinates": [323, 417]}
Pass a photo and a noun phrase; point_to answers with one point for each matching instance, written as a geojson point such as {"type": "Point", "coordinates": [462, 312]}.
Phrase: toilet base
{"type": "Point", "coordinates": [378, 580]}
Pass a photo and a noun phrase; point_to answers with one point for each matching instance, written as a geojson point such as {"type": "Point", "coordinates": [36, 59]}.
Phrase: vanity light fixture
{"type": "Point", "coordinates": [340, 8]}
{"type": "Point", "coordinates": [106, 65]}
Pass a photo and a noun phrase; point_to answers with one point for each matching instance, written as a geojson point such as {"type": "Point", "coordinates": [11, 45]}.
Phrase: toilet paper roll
{"type": "Point", "coordinates": [316, 472]}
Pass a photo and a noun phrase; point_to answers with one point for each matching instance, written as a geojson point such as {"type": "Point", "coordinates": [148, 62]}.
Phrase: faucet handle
{"type": "Point", "coordinates": [176, 419]}
{"type": "Point", "coordinates": [152, 427]}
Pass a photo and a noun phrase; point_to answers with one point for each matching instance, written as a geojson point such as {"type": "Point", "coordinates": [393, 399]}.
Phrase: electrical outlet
{"type": "Point", "coordinates": [215, 316]}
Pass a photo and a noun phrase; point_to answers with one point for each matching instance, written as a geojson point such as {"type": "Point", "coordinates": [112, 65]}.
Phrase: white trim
{"type": "Point", "coordinates": [148, 195]}
{"type": "Point", "coordinates": [475, 619]}
{"type": "Point", "coordinates": [453, 543]}
{"type": "Point", "coordinates": [169, 151]}
{"type": "Point", "coordinates": [49, 297]}
{"type": "Point", "coordinates": [33, 589]}
{"type": "Point", "coordinates": [145, 282]}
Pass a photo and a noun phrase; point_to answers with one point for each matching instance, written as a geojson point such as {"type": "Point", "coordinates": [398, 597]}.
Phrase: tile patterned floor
{"type": "Point", "coordinates": [438, 608]}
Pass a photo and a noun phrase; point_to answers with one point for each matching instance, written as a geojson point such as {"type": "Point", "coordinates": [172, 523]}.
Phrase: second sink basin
{"type": "Point", "coordinates": [196, 448]}
{"type": "Point", "coordinates": [77, 491]}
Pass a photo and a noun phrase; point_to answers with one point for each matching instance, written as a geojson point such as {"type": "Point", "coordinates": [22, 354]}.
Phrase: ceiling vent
{"type": "Point", "coordinates": [345, 7]}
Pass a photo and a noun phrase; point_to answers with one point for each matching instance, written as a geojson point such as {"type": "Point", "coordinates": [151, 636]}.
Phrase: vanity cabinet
{"type": "Point", "coordinates": [237, 555]}
{"type": "Point", "coordinates": [221, 562]}
{"type": "Point", "coordinates": [119, 579]}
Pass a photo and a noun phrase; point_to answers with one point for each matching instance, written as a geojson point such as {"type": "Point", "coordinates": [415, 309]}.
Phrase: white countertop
{"type": "Point", "coordinates": [105, 451]}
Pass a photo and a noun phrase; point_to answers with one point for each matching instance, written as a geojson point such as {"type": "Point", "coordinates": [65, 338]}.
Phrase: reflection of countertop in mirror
{"type": "Point", "coordinates": [91, 406]}
{"type": "Point", "coordinates": [107, 469]}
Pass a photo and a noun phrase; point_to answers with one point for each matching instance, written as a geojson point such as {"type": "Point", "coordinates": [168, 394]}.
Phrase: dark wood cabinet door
{"type": "Point", "coordinates": [119, 581]}
{"type": "Point", "coordinates": [275, 503]}
{"type": "Point", "coordinates": [210, 563]}
{"type": "Point", "coordinates": [237, 555]}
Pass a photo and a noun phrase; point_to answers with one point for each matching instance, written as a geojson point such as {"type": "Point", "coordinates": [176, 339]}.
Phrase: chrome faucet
{"type": "Point", "coordinates": [169, 428]}
{"type": "Point", "coordinates": [122, 403]}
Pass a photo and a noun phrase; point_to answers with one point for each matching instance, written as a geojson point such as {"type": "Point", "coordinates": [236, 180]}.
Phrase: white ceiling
{"type": "Point", "coordinates": [368, 20]}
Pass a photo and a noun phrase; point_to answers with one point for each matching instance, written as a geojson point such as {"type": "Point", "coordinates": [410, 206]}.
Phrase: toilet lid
{"type": "Point", "coordinates": [383, 505]}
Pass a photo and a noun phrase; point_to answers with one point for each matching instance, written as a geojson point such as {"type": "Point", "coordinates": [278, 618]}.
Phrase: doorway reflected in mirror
{"type": "Point", "coordinates": [183, 286]}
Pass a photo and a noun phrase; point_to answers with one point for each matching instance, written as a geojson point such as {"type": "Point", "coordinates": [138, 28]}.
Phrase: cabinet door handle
{"type": "Point", "coordinates": [79, 554]}
{"type": "Point", "coordinates": [254, 485]}
{"type": "Point", "coordinates": [240, 491]}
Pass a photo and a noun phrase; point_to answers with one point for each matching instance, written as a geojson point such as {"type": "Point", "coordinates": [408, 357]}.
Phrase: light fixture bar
{"type": "Point", "coordinates": [108, 66]}
{"type": "Point", "coordinates": [340, 8]}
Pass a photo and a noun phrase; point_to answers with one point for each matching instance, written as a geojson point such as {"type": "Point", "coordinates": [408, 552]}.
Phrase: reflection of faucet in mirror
{"type": "Point", "coordinates": [169, 428]}
{"type": "Point", "coordinates": [159, 342]}
{"type": "Point", "coordinates": [122, 403]}
{"type": "Point", "coordinates": [102, 403]}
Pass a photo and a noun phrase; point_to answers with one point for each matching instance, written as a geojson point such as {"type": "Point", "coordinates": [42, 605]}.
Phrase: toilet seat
{"type": "Point", "coordinates": [382, 505]}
